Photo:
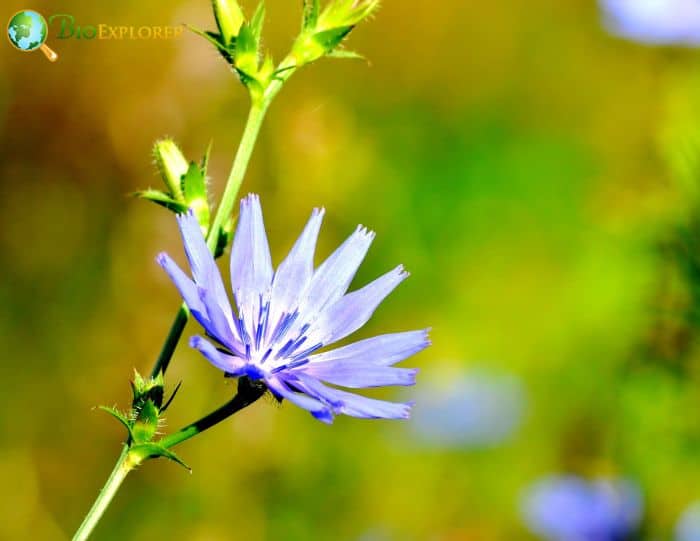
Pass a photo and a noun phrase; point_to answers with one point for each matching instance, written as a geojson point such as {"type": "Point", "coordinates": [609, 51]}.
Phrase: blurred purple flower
{"type": "Point", "coordinates": [688, 527]}
{"type": "Point", "coordinates": [475, 410]}
{"type": "Point", "coordinates": [569, 508]}
{"type": "Point", "coordinates": [661, 22]}
{"type": "Point", "coordinates": [285, 317]}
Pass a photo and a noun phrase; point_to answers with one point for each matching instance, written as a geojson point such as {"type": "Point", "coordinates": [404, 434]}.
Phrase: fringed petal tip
{"type": "Point", "coordinates": [187, 216]}
{"type": "Point", "coordinates": [402, 272]}
{"type": "Point", "coordinates": [426, 337]}
{"type": "Point", "coordinates": [363, 231]}
{"type": "Point", "coordinates": [250, 199]}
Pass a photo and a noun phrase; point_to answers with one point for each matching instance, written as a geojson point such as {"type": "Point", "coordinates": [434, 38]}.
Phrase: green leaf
{"type": "Point", "coordinates": [256, 23]}
{"type": "Point", "coordinates": [119, 416]}
{"type": "Point", "coordinates": [162, 199]}
{"type": "Point", "coordinates": [195, 189]}
{"type": "Point", "coordinates": [342, 53]}
{"type": "Point", "coordinates": [204, 164]}
{"type": "Point", "coordinates": [312, 8]}
{"type": "Point", "coordinates": [144, 451]}
{"type": "Point", "coordinates": [212, 37]}
{"type": "Point", "coordinates": [172, 397]}
{"type": "Point", "coordinates": [193, 183]}
{"type": "Point", "coordinates": [246, 52]}
{"type": "Point", "coordinates": [330, 39]}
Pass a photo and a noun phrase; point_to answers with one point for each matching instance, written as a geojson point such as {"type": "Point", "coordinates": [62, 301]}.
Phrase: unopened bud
{"type": "Point", "coordinates": [229, 18]}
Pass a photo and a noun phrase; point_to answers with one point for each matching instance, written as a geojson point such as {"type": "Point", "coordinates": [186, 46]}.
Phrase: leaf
{"type": "Point", "coordinates": [172, 396]}
{"type": "Point", "coordinates": [330, 39]}
{"type": "Point", "coordinates": [342, 53]}
{"type": "Point", "coordinates": [246, 52]}
{"type": "Point", "coordinates": [312, 9]}
{"type": "Point", "coordinates": [162, 199]}
{"type": "Point", "coordinates": [256, 23]}
{"type": "Point", "coordinates": [204, 164]}
{"type": "Point", "coordinates": [212, 37]}
{"type": "Point", "coordinates": [144, 451]}
{"type": "Point", "coordinates": [119, 416]}
{"type": "Point", "coordinates": [193, 183]}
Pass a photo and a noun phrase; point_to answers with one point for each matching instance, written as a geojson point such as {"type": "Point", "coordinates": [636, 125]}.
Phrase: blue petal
{"type": "Point", "coordinates": [319, 410]}
{"type": "Point", "coordinates": [204, 270]}
{"type": "Point", "coordinates": [332, 279]}
{"type": "Point", "coordinates": [384, 350]}
{"type": "Point", "coordinates": [186, 287]}
{"type": "Point", "coordinates": [353, 310]}
{"type": "Point", "coordinates": [251, 264]}
{"type": "Point", "coordinates": [353, 404]}
{"type": "Point", "coordinates": [358, 375]}
{"type": "Point", "coordinates": [220, 325]}
{"type": "Point", "coordinates": [232, 365]}
{"type": "Point", "coordinates": [294, 273]}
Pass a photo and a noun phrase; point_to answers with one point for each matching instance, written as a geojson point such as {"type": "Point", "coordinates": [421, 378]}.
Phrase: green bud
{"type": "Point", "coordinates": [145, 406]}
{"type": "Point", "coordinates": [324, 31]}
{"type": "Point", "coordinates": [172, 166]}
{"type": "Point", "coordinates": [229, 18]}
{"type": "Point", "coordinates": [195, 187]}
{"type": "Point", "coordinates": [146, 421]}
{"type": "Point", "coordinates": [346, 13]}
{"type": "Point", "coordinates": [145, 389]}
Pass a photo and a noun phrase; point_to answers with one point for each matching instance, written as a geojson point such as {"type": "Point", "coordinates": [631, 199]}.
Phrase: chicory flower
{"type": "Point", "coordinates": [284, 317]}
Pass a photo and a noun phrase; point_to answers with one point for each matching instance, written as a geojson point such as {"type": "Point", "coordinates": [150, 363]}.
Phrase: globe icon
{"type": "Point", "coordinates": [27, 31]}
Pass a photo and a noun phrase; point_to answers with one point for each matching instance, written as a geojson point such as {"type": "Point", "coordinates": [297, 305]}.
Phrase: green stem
{"type": "Point", "coordinates": [121, 469]}
{"type": "Point", "coordinates": [248, 392]}
{"type": "Point", "coordinates": [176, 330]}
{"type": "Point", "coordinates": [240, 166]}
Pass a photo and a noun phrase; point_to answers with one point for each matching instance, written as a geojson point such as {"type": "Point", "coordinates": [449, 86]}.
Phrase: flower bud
{"type": "Point", "coordinates": [172, 166]}
{"type": "Point", "coordinates": [324, 31]}
{"type": "Point", "coordinates": [229, 18]}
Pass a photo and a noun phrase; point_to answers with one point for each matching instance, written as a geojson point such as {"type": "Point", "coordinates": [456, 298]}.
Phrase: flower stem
{"type": "Point", "coordinates": [248, 392]}
{"type": "Point", "coordinates": [176, 330]}
{"type": "Point", "coordinates": [240, 166]}
{"type": "Point", "coordinates": [121, 469]}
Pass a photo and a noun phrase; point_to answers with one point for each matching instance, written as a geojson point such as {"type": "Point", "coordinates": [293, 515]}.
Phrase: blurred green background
{"type": "Point", "coordinates": [533, 173]}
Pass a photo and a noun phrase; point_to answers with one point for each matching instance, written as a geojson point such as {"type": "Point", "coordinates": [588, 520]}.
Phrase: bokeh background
{"type": "Point", "coordinates": [535, 174]}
